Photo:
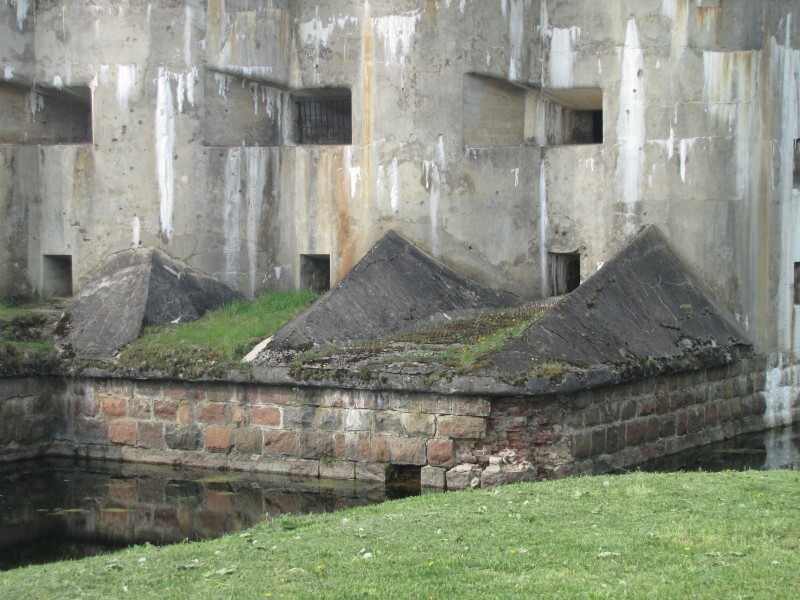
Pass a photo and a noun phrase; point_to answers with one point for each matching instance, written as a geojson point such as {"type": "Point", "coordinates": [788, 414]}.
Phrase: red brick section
{"type": "Point", "coordinates": [218, 438]}
{"type": "Point", "coordinates": [212, 413]}
{"type": "Point", "coordinates": [280, 442]}
{"type": "Point", "coordinates": [165, 409]}
{"type": "Point", "coordinates": [269, 416]}
{"type": "Point", "coordinates": [440, 452]}
{"type": "Point", "coordinates": [114, 406]}
{"type": "Point", "coordinates": [122, 432]}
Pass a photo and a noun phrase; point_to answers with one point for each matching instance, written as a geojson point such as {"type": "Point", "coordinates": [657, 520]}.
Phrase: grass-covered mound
{"type": "Point", "coordinates": [698, 535]}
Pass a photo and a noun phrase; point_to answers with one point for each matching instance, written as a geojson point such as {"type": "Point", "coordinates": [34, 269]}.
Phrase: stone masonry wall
{"type": "Point", "coordinates": [347, 434]}
{"type": "Point", "coordinates": [26, 416]}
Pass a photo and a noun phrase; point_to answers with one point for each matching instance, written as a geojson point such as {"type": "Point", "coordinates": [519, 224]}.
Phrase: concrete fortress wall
{"type": "Point", "coordinates": [565, 125]}
{"type": "Point", "coordinates": [352, 434]}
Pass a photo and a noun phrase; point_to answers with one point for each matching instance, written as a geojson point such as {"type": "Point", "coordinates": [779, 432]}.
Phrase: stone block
{"type": "Point", "coordinates": [189, 391]}
{"type": "Point", "coordinates": [652, 428]}
{"type": "Point", "coordinates": [314, 444]}
{"type": "Point", "coordinates": [151, 435]}
{"type": "Point", "coordinates": [328, 419]}
{"type": "Point", "coordinates": [249, 440]}
{"type": "Point", "coordinates": [460, 477]}
{"type": "Point", "coordinates": [433, 477]}
{"type": "Point", "coordinates": [298, 417]}
{"type": "Point", "coordinates": [279, 396]}
{"type": "Point", "coordinates": [337, 469]}
{"type": "Point", "coordinates": [378, 448]}
{"type": "Point", "coordinates": [635, 432]}
{"type": "Point", "coordinates": [185, 412]}
{"type": "Point", "coordinates": [218, 438]}
{"type": "Point", "coordinates": [441, 453]}
{"type": "Point", "coordinates": [217, 501]}
{"type": "Point", "coordinates": [114, 406]}
{"type": "Point", "coordinates": [494, 475]}
{"type": "Point", "coordinates": [388, 421]}
{"type": "Point", "coordinates": [237, 415]}
{"type": "Point", "coordinates": [216, 392]}
{"type": "Point", "coordinates": [165, 410]}
{"type": "Point", "coordinates": [581, 445]}
{"type": "Point", "coordinates": [289, 466]}
{"type": "Point", "coordinates": [280, 442]}
{"type": "Point", "coordinates": [471, 407]}
{"type": "Point", "coordinates": [140, 408]}
{"type": "Point", "coordinates": [407, 451]}
{"type": "Point", "coordinates": [598, 441]}
{"type": "Point", "coordinates": [371, 472]}
{"type": "Point", "coordinates": [122, 432]}
{"type": "Point", "coordinates": [211, 412]}
{"type": "Point", "coordinates": [667, 426]}
{"type": "Point", "coordinates": [267, 416]}
{"type": "Point", "coordinates": [182, 437]}
{"type": "Point", "coordinates": [147, 389]}
{"type": "Point", "coordinates": [91, 431]}
{"type": "Point", "coordinates": [459, 427]}
{"type": "Point", "coordinates": [358, 420]}
{"type": "Point", "coordinates": [420, 424]}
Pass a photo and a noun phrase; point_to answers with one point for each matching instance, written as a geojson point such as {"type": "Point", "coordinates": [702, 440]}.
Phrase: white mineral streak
{"type": "Point", "coordinates": [36, 102]}
{"type": "Point", "coordinates": [515, 173]}
{"type": "Point", "coordinates": [631, 129]}
{"type": "Point", "coordinates": [543, 227]}
{"type": "Point", "coordinates": [397, 33]}
{"type": "Point", "coordinates": [516, 35]}
{"type": "Point", "coordinates": [8, 72]}
{"type": "Point", "coordinates": [57, 82]}
{"type": "Point", "coordinates": [671, 141]}
{"type": "Point", "coordinates": [504, 7]}
{"type": "Point", "coordinates": [730, 88]}
{"type": "Point", "coordinates": [781, 451]}
{"type": "Point", "coordinates": [780, 390]}
{"type": "Point", "coordinates": [255, 186]}
{"type": "Point", "coordinates": [562, 55]}
{"type": "Point", "coordinates": [187, 36]}
{"type": "Point", "coordinates": [103, 75]}
{"type": "Point", "coordinates": [165, 149]}
{"type": "Point", "coordinates": [231, 208]}
{"type": "Point", "coordinates": [441, 156]}
{"type": "Point", "coordinates": [22, 13]}
{"type": "Point", "coordinates": [136, 231]}
{"type": "Point", "coordinates": [462, 6]}
{"type": "Point", "coordinates": [394, 189]}
{"type": "Point", "coordinates": [380, 185]}
{"type": "Point", "coordinates": [677, 11]}
{"type": "Point", "coordinates": [685, 146]}
{"type": "Point", "coordinates": [126, 84]}
{"type": "Point", "coordinates": [353, 172]}
{"type": "Point", "coordinates": [223, 81]}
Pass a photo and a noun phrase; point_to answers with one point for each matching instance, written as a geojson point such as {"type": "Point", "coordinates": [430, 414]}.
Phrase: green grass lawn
{"type": "Point", "coordinates": [217, 342]}
{"type": "Point", "coordinates": [719, 535]}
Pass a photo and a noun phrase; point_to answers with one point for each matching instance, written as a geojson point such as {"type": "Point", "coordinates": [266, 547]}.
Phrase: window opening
{"type": "Point", "coordinates": [565, 272]}
{"type": "Point", "coordinates": [315, 272]}
{"type": "Point", "coordinates": [324, 121]}
{"type": "Point", "coordinates": [57, 275]}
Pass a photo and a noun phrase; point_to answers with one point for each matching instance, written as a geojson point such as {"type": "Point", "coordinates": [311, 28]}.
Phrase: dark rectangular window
{"type": "Point", "coordinates": [565, 272]}
{"type": "Point", "coordinates": [315, 272]}
{"type": "Point", "coordinates": [324, 121]}
{"type": "Point", "coordinates": [57, 275]}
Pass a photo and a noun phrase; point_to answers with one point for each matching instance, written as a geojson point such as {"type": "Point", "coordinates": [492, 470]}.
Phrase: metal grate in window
{"type": "Point", "coordinates": [325, 121]}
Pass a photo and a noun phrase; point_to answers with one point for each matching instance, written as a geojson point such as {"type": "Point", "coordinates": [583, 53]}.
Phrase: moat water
{"type": "Point", "coordinates": [59, 509]}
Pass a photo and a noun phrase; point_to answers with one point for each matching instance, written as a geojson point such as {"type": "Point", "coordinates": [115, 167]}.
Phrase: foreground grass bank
{"type": "Point", "coordinates": [725, 535]}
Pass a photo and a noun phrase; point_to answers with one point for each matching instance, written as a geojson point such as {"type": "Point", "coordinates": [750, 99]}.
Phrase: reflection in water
{"type": "Point", "coordinates": [55, 509]}
{"type": "Point", "coordinates": [773, 449]}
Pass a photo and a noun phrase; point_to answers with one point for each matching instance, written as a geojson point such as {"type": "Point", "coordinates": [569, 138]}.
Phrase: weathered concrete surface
{"type": "Point", "coordinates": [461, 139]}
{"type": "Point", "coordinates": [131, 290]}
{"type": "Point", "coordinates": [643, 304]}
{"type": "Point", "coordinates": [395, 287]}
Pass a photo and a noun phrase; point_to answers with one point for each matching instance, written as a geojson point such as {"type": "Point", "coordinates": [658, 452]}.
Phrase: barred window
{"type": "Point", "coordinates": [324, 121]}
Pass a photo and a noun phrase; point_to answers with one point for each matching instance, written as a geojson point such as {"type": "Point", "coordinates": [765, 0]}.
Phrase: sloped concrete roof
{"type": "Point", "coordinates": [133, 289]}
{"type": "Point", "coordinates": [643, 304]}
{"type": "Point", "coordinates": [395, 287]}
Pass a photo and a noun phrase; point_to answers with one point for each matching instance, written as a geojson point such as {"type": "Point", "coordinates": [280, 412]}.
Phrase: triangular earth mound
{"type": "Point", "coordinates": [133, 289]}
{"type": "Point", "coordinates": [642, 304]}
{"type": "Point", "coordinates": [395, 287]}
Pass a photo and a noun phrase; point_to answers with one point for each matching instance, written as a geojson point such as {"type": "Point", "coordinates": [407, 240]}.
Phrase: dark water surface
{"type": "Point", "coordinates": [774, 449]}
{"type": "Point", "coordinates": [55, 509]}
